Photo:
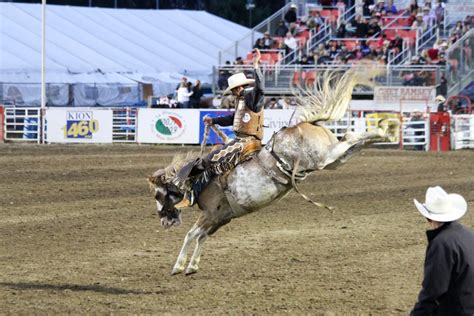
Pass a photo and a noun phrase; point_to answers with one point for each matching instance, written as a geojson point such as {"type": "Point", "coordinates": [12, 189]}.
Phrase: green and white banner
{"type": "Point", "coordinates": [168, 126]}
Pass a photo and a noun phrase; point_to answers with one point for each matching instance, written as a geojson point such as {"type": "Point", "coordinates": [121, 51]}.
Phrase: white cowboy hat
{"type": "Point", "coordinates": [440, 206]}
{"type": "Point", "coordinates": [237, 80]}
{"type": "Point", "coordinates": [440, 98]}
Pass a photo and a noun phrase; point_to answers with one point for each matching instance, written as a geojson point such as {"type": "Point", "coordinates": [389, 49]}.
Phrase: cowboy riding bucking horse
{"type": "Point", "coordinates": [247, 122]}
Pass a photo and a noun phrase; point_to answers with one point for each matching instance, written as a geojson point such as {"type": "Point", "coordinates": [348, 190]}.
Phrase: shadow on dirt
{"type": "Point", "coordinates": [73, 287]}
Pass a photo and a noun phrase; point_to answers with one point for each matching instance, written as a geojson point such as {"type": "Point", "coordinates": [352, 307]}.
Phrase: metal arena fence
{"type": "Point", "coordinates": [26, 125]}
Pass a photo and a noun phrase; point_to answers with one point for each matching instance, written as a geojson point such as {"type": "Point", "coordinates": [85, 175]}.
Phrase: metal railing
{"type": "Point", "coordinates": [284, 79]}
{"type": "Point", "coordinates": [245, 44]}
{"type": "Point", "coordinates": [460, 63]}
{"type": "Point", "coordinates": [22, 124]}
{"type": "Point", "coordinates": [124, 125]}
{"type": "Point", "coordinates": [462, 131]}
{"type": "Point", "coordinates": [415, 133]}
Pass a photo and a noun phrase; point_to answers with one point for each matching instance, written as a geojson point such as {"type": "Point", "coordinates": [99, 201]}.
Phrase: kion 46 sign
{"type": "Point", "coordinates": [79, 126]}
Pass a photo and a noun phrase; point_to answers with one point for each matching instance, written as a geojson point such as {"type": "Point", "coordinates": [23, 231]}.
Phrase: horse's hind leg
{"type": "Point", "coordinates": [350, 142]}
{"type": "Point", "coordinates": [183, 254]}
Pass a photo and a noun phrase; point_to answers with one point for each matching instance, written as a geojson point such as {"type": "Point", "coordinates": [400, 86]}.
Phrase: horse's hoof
{"type": "Point", "coordinates": [190, 271]}
{"type": "Point", "coordinates": [176, 271]}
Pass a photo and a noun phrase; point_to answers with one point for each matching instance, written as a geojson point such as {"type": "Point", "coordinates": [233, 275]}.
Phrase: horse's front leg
{"type": "Point", "coordinates": [196, 257]}
{"type": "Point", "coordinates": [183, 254]}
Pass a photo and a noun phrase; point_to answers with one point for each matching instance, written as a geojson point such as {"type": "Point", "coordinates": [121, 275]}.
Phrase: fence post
{"type": "Point", "coordinates": [2, 120]}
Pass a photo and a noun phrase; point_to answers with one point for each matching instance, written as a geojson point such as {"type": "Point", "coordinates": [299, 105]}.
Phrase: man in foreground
{"type": "Point", "coordinates": [448, 284]}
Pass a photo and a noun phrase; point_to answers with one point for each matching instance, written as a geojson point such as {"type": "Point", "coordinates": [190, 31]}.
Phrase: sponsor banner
{"type": "Point", "coordinates": [274, 121]}
{"type": "Point", "coordinates": [168, 126]}
{"type": "Point", "coordinates": [411, 94]}
{"type": "Point", "coordinates": [212, 137]}
{"type": "Point", "coordinates": [78, 125]}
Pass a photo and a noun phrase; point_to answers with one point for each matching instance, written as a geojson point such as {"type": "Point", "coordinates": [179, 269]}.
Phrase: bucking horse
{"type": "Point", "coordinates": [289, 156]}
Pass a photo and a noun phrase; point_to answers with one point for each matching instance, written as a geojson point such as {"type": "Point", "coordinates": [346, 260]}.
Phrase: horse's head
{"type": "Point", "coordinates": [166, 197]}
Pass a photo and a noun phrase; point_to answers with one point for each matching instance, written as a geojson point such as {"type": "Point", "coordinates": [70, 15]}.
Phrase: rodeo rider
{"type": "Point", "coordinates": [448, 284]}
{"type": "Point", "coordinates": [247, 122]}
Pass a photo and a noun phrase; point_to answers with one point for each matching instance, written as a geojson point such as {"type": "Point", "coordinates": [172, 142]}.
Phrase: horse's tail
{"type": "Point", "coordinates": [330, 96]}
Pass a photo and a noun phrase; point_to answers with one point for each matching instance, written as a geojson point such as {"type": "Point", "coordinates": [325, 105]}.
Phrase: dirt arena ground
{"type": "Point", "coordinates": [79, 235]}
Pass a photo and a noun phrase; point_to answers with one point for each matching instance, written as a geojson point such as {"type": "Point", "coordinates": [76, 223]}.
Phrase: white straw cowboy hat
{"type": "Point", "coordinates": [440, 206]}
{"type": "Point", "coordinates": [237, 80]}
{"type": "Point", "coordinates": [440, 98]}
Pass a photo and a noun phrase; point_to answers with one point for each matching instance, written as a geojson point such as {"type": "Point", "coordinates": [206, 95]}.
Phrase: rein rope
{"type": "Point", "coordinates": [294, 174]}
{"type": "Point", "coordinates": [216, 130]}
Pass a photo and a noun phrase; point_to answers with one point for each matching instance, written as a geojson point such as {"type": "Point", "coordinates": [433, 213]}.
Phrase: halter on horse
{"type": "Point", "coordinates": [290, 155]}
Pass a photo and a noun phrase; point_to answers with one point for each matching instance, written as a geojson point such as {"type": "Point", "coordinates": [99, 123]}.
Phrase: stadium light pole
{"type": "Point", "coordinates": [250, 6]}
{"type": "Point", "coordinates": [43, 72]}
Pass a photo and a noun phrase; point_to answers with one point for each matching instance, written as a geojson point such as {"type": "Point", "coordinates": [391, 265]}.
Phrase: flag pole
{"type": "Point", "coordinates": [43, 71]}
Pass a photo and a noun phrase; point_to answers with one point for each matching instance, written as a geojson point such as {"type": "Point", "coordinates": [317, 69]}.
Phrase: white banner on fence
{"type": "Point", "coordinates": [274, 121]}
{"type": "Point", "coordinates": [78, 125]}
{"type": "Point", "coordinates": [396, 94]}
{"type": "Point", "coordinates": [168, 126]}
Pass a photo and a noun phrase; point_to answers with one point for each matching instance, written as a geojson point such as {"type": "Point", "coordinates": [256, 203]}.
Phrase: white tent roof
{"type": "Point", "coordinates": [83, 40]}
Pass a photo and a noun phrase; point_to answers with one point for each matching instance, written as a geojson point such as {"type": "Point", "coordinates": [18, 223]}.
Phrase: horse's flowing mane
{"type": "Point", "coordinates": [330, 96]}
{"type": "Point", "coordinates": [170, 170]}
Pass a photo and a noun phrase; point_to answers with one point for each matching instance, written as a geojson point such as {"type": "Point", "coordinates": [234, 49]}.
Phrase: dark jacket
{"type": "Point", "coordinates": [448, 284]}
{"type": "Point", "coordinates": [290, 16]}
{"type": "Point", "coordinates": [253, 99]}
{"type": "Point", "coordinates": [195, 98]}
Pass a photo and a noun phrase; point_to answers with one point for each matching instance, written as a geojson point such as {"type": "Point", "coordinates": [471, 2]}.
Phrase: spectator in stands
{"type": "Point", "coordinates": [224, 74]}
{"type": "Point", "coordinates": [267, 41]}
{"type": "Point", "coordinates": [397, 43]}
{"type": "Point", "coordinates": [258, 43]}
{"type": "Point", "coordinates": [320, 50]}
{"type": "Point", "coordinates": [413, 8]}
{"type": "Point", "coordinates": [281, 30]}
{"type": "Point", "coordinates": [441, 60]}
{"type": "Point", "coordinates": [291, 15]}
{"type": "Point", "coordinates": [366, 7]}
{"type": "Point", "coordinates": [341, 30]}
{"type": "Point", "coordinates": [304, 60]}
{"type": "Point", "coordinates": [316, 21]}
{"type": "Point", "coordinates": [419, 23]}
{"type": "Point", "coordinates": [429, 17]}
{"type": "Point", "coordinates": [324, 58]}
{"type": "Point", "coordinates": [361, 29]}
{"type": "Point", "coordinates": [273, 105]}
{"type": "Point", "coordinates": [439, 12]}
{"type": "Point", "coordinates": [440, 103]}
{"type": "Point", "coordinates": [442, 88]}
{"type": "Point", "coordinates": [351, 27]}
{"type": "Point", "coordinates": [374, 28]}
{"type": "Point", "coordinates": [183, 95]}
{"type": "Point", "coordinates": [291, 44]}
{"type": "Point", "coordinates": [448, 282]}
{"type": "Point", "coordinates": [391, 7]}
{"type": "Point", "coordinates": [311, 60]}
{"type": "Point", "coordinates": [195, 98]}
{"type": "Point", "coordinates": [182, 82]}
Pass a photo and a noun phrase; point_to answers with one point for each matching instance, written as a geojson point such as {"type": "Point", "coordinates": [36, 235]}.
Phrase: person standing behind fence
{"type": "Point", "coordinates": [183, 95]}
{"type": "Point", "coordinates": [195, 98]}
{"type": "Point", "coordinates": [448, 284]}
